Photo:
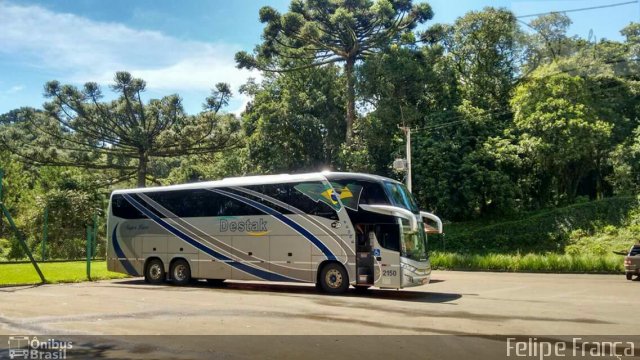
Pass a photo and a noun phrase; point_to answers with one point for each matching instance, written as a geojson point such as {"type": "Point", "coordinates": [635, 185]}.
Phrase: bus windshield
{"type": "Point", "coordinates": [401, 197]}
{"type": "Point", "coordinates": [414, 245]}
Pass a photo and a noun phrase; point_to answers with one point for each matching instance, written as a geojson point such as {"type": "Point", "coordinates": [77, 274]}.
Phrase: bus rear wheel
{"type": "Point", "coordinates": [180, 272]}
{"type": "Point", "coordinates": [154, 272]}
{"type": "Point", "coordinates": [334, 279]}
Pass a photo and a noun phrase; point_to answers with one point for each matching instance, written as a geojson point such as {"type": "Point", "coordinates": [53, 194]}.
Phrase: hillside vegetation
{"type": "Point", "coordinates": [593, 228]}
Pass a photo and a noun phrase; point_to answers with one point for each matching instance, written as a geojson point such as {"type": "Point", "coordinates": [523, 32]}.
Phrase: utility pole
{"type": "Point", "coordinates": [407, 133]}
{"type": "Point", "coordinates": [45, 232]}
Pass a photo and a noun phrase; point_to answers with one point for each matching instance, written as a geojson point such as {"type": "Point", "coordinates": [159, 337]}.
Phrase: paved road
{"type": "Point", "coordinates": [454, 303]}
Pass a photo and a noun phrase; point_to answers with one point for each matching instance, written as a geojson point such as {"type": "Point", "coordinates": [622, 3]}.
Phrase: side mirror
{"type": "Point", "coordinates": [430, 216]}
{"type": "Point", "coordinates": [393, 211]}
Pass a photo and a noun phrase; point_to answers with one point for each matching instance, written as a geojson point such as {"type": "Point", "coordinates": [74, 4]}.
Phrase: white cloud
{"type": "Point", "coordinates": [244, 101]}
{"type": "Point", "coordinates": [14, 89]}
{"type": "Point", "coordinates": [80, 50]}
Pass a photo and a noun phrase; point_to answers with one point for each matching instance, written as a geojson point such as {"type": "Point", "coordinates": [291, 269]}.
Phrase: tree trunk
{"type": "Point", "coordinates": [142, 170]}
{"type": "Point", "coordinates": [351, 97]}
{"type": "Point", "coordinates": [599, 186]}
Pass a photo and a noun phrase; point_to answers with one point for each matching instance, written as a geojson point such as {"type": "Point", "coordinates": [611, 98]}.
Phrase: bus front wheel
{"type": "Point", "coordinates": [180, 272]}
{"type": "Point", "coordinates": [334, 279]}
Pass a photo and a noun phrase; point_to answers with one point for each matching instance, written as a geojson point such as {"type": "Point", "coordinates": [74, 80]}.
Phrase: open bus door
{"type": "Point", "coordinates": [378, 258]}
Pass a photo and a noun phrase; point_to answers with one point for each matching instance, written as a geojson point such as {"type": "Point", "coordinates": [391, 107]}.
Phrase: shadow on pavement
{"type": "Point", "coordinates": [399, 295]}
{"type": "Point", "coordinates": [15, 288]}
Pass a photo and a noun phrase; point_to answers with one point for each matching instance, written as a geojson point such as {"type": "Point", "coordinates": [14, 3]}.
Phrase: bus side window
{"type": "Point", "coordinates": [121, 208]}
{"type": "Point", "coordinates": [288, 194]}
{"type": "Point", "coordinates": [370, 192]}
{"type": "Point", "coordinates": [310, 203]}
{"type": "Point", "coordinates": [230, 207]}
{"type": "Point", "coordinates": [388, 236]}
{"type": "Point", "coordinates": [373, 193]}
{"type": "Point", "coordinates": [201, 203]}
{"type": "Point", "coordinates": [275, 191]}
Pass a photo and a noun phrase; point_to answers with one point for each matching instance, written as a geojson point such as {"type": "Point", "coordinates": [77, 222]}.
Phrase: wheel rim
{"type": "Point", "coordinates": [180, 272]}
{"type": "Point", "coordinates": [333, 278]}
{"type": "Point", "coordinates": [155, 272]}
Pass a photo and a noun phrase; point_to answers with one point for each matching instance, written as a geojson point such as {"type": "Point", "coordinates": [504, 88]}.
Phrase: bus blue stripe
{"type": "Point", "coordinates": [292, 224]}
{"type": "Point", "coordinates": [120, 254]}
{"type": "Point", "coordinates": [240, 266]}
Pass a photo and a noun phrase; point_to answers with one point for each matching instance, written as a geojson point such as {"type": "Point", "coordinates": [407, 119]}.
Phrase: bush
{"type": "Point", "coordinates": [540, 232]}
{"type": "Point", "coordinates": [550, 262]}
{"type": "Point", "coordinates": [5, 246]}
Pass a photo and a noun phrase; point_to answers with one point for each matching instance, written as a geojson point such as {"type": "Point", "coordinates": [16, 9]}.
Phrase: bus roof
{"type": "Point", "coordinates": [260, 180]}
{"type": "Point", "coordinates": [356, 176]}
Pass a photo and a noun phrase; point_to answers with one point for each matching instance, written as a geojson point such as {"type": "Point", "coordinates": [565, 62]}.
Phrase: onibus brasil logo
{"type": "Point", "coordinates": [23, 347]}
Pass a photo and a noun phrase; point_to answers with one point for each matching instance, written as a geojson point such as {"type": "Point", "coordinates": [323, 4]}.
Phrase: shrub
{"type": "Point", "coordinates": [5, 246]}
{"type": "Point", "coordinates": [540, 232]}
{"type": "Point", "coordinates": [610, 230]}
{"type": "Point", "coordinates": [550, 262]}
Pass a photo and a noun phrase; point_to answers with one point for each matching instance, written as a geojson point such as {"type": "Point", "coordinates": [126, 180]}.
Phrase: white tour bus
{"type": "Point", "coordinates": [332, 229]}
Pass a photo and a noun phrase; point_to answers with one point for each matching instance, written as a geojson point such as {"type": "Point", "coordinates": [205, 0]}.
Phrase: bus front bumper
{"type": "Point", "coordinates": [414, 273]}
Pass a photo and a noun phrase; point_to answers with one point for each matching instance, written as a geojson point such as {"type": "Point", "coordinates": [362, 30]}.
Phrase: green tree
{"type": "Point", "coordinates": [632, 34]}
{"type": "Point", "coordinates": [70, 212]}
{"type": "Point", "coordinates": [228, 163]}
{"type": "Point", "coordinates": [78, 129]}
{"type": "Point", "coordinates": [487, 51]}
{"type": "Point", "coordinates": [456, 172]}
{"type": "Point", "coordinates": [559, 127]}
{"type": "Point", "coordinates": [294, 120]}
{"type": "Point", "coordinates": [550, 40]}
{"type": "Point", "coordinates": [406, 86]}
{"type": "Point", "coordinates": [320, 32]}
{"type": "Point", "coordinates": [18, 182]}
{"type": "Point", "coordinates": [625, 159]}
{"type": "Point", "coordinates": [457, 169]}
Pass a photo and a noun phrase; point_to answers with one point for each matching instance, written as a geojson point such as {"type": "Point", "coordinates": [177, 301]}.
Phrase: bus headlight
{"type": "Point", "coordinates": [408, 267]}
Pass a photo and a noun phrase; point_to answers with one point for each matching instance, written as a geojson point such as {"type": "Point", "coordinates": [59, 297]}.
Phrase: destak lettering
{"type": "Point", "coordinates": [243, 225]}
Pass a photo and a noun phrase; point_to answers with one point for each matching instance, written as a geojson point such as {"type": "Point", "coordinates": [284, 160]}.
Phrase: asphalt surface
{"type": "Point", "coordinates": [455, 303]}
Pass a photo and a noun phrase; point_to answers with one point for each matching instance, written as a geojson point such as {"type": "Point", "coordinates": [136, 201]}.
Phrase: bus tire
{"type": "Point", "coordinates": [215, 282]}
{"type": "Point", "coordinates": [334, 278]}
{"type": "Point", "coordinates": [154, 272]}
{"type": "Point", "coordinates": [180, 272]}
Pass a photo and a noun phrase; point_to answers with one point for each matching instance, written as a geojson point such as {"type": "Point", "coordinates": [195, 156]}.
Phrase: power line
{"type": "Point", "coordinates": [463, 118]}
{"type": "Point", "coordinates": [508, 112]}
{"type": "Point", "coordinates": [580, 9]}
{"type": "Point", "coordinates": [494, 113]}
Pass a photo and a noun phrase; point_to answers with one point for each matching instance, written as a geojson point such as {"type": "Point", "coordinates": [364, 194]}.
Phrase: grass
{"type": "Point", "coordinates": [58, 272]}
{"type": "Point", "coordinates": [75, 271]}
{"type": "Point", "coordinates": [555, 263]}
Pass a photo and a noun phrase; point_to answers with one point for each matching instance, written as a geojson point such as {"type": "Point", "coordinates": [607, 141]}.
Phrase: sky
{"type": "Point", "coordinates": [187, 46]}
